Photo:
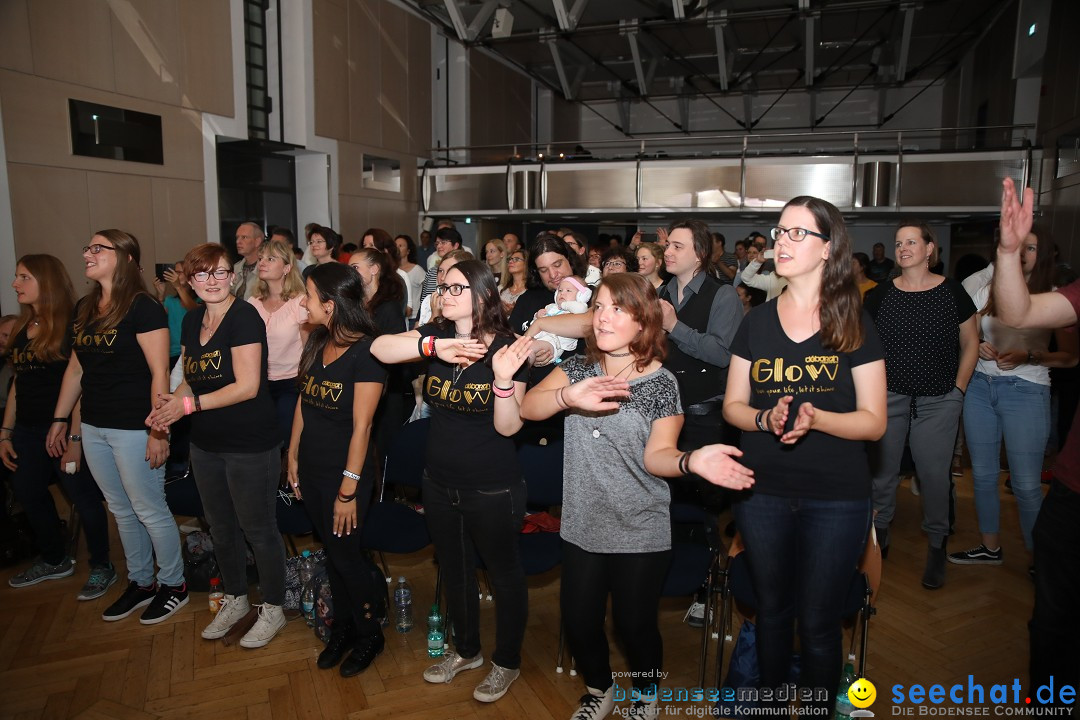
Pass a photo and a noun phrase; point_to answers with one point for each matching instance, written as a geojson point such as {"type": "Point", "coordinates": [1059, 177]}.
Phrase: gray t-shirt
{"type": "Point", "coordinates": [611, 503]}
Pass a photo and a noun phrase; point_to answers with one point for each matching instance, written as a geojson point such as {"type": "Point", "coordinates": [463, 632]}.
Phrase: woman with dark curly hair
{"type": "Point", "coordinates": [474, 495]}
{"type": "Point", "coordinates": [618, 259]}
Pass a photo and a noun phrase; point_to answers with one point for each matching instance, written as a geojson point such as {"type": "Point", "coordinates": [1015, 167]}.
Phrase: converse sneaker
{"type": "Point", "coordinates": [233, 607]}
{"type": "Point", "coordinates": [495, 685]}
{"type": "Point", "coordinates": [167, 601]}
{"type": "Point", "coordinates": [133, 598]}
{"type": "Point", "coordinates": [271, 620]}
{"type": "Point", "coordinates": [695, 615]}
{"type": "Point", "coordinates": [41, 571]}
{"type": "Point", "coordinates": [644, 709]}
{"type": "Point", "coordinates": [445, 670]}
{"type": "Point", "coordinates": [980, 555]}
{"type": "Point", "coordinates": [595, 704]}
{"type": "Point", "coordinates": [102, 577]}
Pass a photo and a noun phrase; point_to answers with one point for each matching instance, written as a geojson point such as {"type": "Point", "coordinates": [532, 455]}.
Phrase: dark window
{"type": "Point", "coordinates": [115, 133]}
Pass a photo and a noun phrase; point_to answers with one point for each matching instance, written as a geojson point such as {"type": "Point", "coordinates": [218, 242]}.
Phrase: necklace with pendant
{"type": "Point", "coordinates": [629, 366]}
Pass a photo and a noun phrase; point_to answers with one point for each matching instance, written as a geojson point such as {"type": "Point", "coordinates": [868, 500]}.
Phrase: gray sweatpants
{"type": "Point", "coordinates": [932, 436]}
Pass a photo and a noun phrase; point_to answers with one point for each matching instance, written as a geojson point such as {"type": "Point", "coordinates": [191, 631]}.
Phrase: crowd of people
{"type": "Point", "coordinates": [782, 380]}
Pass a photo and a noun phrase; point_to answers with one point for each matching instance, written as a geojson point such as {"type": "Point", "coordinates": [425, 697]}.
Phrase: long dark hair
{"type": "Point", "coordinates": [409, 243]}
{"type": "Point", "coordinates": [549, 242]}
{"type": "Point", "coordinates": [56, 299]}
{"type": "Point", "coordinates": [488, 315]}
{"type": "Point", "coordinates": [384, 243]}
{"type": "Point", "coordinates": [349, 321]}
{"type": "Point", "coordinates": [390, 286]}
{"type": "Point", "coordinates": [702, 240]}
{"type": "Point", "coordinates": [840, 308]}
{"type": "Point", "coordinates": [1042, 275]}
{"type": "Point", "coordinates": [127, 283]}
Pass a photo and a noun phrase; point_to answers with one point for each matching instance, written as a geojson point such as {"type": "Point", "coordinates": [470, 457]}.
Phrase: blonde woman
{"type": "Point", "coordinates": [277, 297]}
{"type": "Point", "coordinates": [495, 255]}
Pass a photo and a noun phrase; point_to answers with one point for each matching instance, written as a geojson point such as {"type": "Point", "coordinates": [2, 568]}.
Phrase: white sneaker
{"type": "Point", "coordinates": [495, 685]}
{"type": "Point", "coordinates": [695, 615]}
{"type": "Point", "coordinates": [451, 664]}
{"type": "Point", "coordinates": [233, 608]}
{"type": "Point", "coordinates": [595, 704]}
{"type": "Point", "coordinates": [271, 620]}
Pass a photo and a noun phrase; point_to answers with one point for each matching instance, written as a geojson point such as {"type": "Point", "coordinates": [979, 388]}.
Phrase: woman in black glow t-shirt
{"type": "Point", "coordinates": [331, 458]}
{"type": "Point", "coordinates": [120, 364]}
{"type": "Point", "coordinates": [235, 441]}
{"type": "Point", "coordinates": [806, 386]}
{"type": "Point", "coordinates": [474, 495]}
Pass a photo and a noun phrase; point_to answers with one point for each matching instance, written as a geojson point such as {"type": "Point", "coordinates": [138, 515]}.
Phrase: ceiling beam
{"type": "Point", "coordinates": [677, 10]}
{"type": "Point", "coordinates": [629, 30]}
{"type": "Point", "coordinates": [457, 19]}
{"type": "Point", "coordinates": [808, 26]}
{"type": "Point", "coordinates": [556, 57]}
{"type": "Point", "coordinates": [569, 18]}
{"type": "Point", "coordinates": [718, 22]}
{"type": "Point", "coordinates": [468, 33]}
{"type": "Point", "coordinates": [905, 42]}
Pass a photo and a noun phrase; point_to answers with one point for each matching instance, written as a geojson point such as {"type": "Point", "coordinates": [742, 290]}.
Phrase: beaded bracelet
{"type": "Point", "coordinates": [502, 392]}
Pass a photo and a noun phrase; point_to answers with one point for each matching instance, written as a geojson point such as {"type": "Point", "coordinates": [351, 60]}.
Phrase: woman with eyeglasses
{"type": "Point", "coordinates": [277, 298]}
{"type": "Point", "coordinates": [514, 284]}
{"type": "Point", "coordinates": [650, 261]}
{"type": "Point", "coordinates": [119, 367]}
{"type": "Point", "coordinates": [806, 386]}
{"type": "Point", "coordinates": [618, 260]}
{"type": "Point", "coordinates": [235, 442]}
{"type": "Point", "coordinates": [324, 245]}
{"type": "Point", "coordinates": [474, 495]}
{"type": "Point", "coordinates": [331, 458]}
{"type": "Point", "coordinates": [928, 325]}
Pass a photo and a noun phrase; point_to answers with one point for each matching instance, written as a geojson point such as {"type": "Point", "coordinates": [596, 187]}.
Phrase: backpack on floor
{"type": "Point", "coordinates": [293, 587]}
{"type": "Point", "coordinates": [324, 601]}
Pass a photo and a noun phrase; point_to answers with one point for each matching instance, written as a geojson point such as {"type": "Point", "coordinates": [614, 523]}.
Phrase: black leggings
{"type": "Point", "coordinates": [634, 581]}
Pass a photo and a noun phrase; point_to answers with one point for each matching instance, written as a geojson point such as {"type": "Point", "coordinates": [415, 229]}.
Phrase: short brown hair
{"type": "Point", "coordinates": [204, 258]}
{"type": "Point", "coordinates": [636, 295]}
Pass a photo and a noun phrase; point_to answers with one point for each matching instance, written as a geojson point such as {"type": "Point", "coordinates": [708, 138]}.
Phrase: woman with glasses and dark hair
{"type": "Point", "coordinates": [119, 367]}
{"type": "Point", "coordinates": [324, 245]}
{"type": "Point", "coordinates": [806, 386]}
{"type": "Point", "coordinates": [235, 442]}
{"type": "Point", "coordinates": [618, 259]}
{"type": "Point", "coordinates": [474, 495]}
{"type": "Point", "coordinates": [331, 461]}
{"type": "Point", "coordinates": [927, 324]}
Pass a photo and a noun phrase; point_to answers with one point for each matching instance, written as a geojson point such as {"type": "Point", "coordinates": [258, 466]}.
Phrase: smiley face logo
{"type": "Point", "coordinates": [862, 693]}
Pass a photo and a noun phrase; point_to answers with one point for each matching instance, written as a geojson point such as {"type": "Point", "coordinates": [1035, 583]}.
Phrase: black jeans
{"type": "Point", "coordinates": [31, 480]}
{"type": "Point", "coordinates": [284, 393]}
{"type": "Point", "coordinates": [239, 496]}
{"type": "Point", "coordinates": [1054, 629]}
{"type": "Point", "coordinates": [352, 583]}
{"type": "Point", "coordinates": [464, 523]}
{"type": "Point", "coordinates": [634, 581]}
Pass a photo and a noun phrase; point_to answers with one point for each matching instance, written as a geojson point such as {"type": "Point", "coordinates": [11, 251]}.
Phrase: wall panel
{"type": "Point", "coordinates": [72, 41]}
{"type": "Point", "coordinates": [146, 49]}
{"type": "Point", "coordinates": [419, 86]}
{"type": "Point", "coordinates": [365, 81]}
{"type": "Point", "coordinates": [179, 217]}
{"type": "Point", "coordinates": [50, 210]}
{"type": "Point", "coordinates": [15, 52]}
{"type": "Point", "coordinates": [206, 56]}
{"type": "Point", "coordinates": [331, 46]}
{"type": "Point", "coordinates": [393, 98]}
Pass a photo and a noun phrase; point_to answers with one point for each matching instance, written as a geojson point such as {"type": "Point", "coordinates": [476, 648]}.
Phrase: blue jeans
{"type": "Point", "coordinates": [136, 496]}
{"type": "Point", "coordinates": [1019, 410]}
{"type": "Point", "coordinates": [802, 556]}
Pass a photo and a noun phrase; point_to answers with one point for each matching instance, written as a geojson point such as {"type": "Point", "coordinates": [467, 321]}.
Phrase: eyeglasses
{"type": "Point", "coordinates": [219, 274]}
{"type": "Point", "coordinates": [96, 248]}
{"type": "Point", "coordinates": [443, 241]}
{"type": "Point", "coordinates": [515, 259]}
{"type": "Point", "coordinates": [796, 234]}
{"type": "Point", "coordinates": [614, 264]}
{"type": "Point", "coordinates": [454, 289]}
{"type": "Point", "coordinates": [313, 242]}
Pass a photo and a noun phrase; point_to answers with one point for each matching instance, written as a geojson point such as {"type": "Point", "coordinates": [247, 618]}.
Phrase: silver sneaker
{"type": "Point", "coordinates": [495, 685]}
{"type": "Point", "coordinates": [102, 577]}
{"type": "Point", "coordinates": [445, 670]}
{"type": "Point", "coordinates": [595, 704]}
{"type": "Point", "coordinates": [41, 571]}
{"type": "Point", "coordinates": [233, 608]}
{"type": "Point", "coordinates": [271, 620]}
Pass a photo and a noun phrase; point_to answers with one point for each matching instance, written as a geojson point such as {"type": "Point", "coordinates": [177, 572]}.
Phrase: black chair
{"type": "Point", "coordinates": [292, 519]}
{"type": "Point", "coordinates": [182, 496]}
{"type": "Point", "coordinates": [542, 468]}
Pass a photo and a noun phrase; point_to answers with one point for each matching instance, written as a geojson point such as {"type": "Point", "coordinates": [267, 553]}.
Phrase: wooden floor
{"type": "Point", "coordinates": [58, 659]}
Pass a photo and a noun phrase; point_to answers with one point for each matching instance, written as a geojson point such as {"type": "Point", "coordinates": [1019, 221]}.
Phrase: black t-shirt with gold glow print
{"type": "Point", "coordinates": [37, 383]}
{"type": "Point", "coordinates": [326, 406]}
{"type": "Point", "coordinates": [464, 449]}
{"type": "Point", "coordinates": [116, 378]}
{"type": "Point", "coordinates": [245, 427]}
{"type": "Point", "coordinates": [819, 466]}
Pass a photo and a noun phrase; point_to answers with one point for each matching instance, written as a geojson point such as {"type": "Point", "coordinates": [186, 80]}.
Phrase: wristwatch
{"type": "Point", "coordinates": [75, 438]}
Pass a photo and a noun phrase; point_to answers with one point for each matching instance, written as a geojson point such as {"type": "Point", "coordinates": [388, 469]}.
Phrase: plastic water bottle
{"type": "Point", "coordinates": [307, 568]}
{"type": "Point", "coordinates": [216, 594]}
{"type": "Point", "coordinates": [403, 606]}
{"type": "Point", "coordinates": [844, 708]}
{"type": "Point", "coordinates": [435, 637]}
{"type": "Point", "coordinates": [307, 603]}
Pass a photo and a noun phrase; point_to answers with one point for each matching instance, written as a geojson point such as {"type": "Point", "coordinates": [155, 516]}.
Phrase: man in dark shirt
{"type": "Point", "coordinates": [880, 267]}
{"type": "Point", "coordinates": [1054, 630]}
{"type": "Point", "coordinates": [725, 264]}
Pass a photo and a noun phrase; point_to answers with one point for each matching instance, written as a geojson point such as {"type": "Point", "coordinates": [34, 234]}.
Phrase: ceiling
{"type": "Point", "coordinates": [640, 51]}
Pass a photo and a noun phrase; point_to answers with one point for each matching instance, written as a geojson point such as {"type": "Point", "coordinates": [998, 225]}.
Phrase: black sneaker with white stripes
{"type": "Point", "coordinates": [980, 555]}
{"type": "Point", "coordinates": [167, 601]}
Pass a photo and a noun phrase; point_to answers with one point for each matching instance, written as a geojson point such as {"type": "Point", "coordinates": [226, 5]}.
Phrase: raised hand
{"type": "Point", "coordinates": [1016, 218]}
{"type": "Point", "coordinates": [508, 360]}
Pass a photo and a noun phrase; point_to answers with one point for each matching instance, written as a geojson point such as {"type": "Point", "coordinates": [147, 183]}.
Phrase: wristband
{"type": "Point", "coordinates": [8, 429]}
{"type": "Point", "coordinates": [427, 346]}
{"type": "Point", "coordinates": [502, 392]}
{"type": "Point", "coordinates": [758, 421]}
{"type": "Point", "coordinates": [559, 399]}
{"type": "Point", "coordinates": [189, 405]}
{"type": "Point", "coordinates": [63, 420]}
{"type": "Point", "coordinates": [351, 475]}
{"type": "Point", "coordinates": [342, 498]}
{"type": "Point", "coordinates": [684, 463]}
{"type": "Point", "coordinates": [198, 405]}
